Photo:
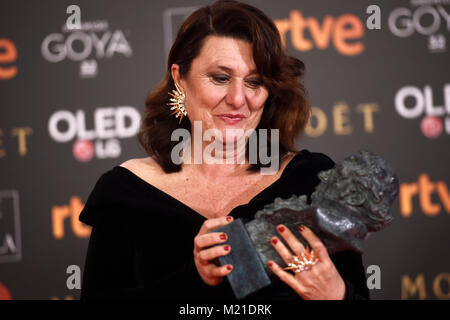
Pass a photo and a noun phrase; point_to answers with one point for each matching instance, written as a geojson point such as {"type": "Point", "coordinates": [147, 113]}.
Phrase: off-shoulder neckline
{"type": "Point", "coordinates": [180, 203]}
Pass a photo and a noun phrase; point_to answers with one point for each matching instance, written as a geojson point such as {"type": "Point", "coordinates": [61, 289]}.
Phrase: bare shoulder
{"type": "Point", "coordinates": [146, 168]}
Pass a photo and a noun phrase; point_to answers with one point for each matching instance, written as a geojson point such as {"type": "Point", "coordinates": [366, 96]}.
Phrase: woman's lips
{"type": "Point", "coordinates": [231, 119]}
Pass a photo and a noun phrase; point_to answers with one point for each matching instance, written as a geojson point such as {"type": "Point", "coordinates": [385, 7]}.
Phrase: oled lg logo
{"type": "Point", "coordinates": [102, 140]}
{"type": "Point", "coordinates": [429, 18]}
{"type": "Point", "coordinates": [85, 42]}
{"type": "Point", "coordinates": [413, 102]}
{"type": "Point", "coordinates": [10, 237]}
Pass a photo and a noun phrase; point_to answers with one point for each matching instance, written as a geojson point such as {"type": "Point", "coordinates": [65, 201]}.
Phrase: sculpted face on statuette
{"type": "Point", "coordinates": [352, 200]}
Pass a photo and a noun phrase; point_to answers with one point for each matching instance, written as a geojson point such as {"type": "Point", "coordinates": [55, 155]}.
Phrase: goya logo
{"type": "Point", "coordinates": [426, 18]}
{"type": "Point", "coordinates": [345, 32]}
{"type": "Point", "coordinates": [413, 102]}
{"type": "Point", "coordinates": [93, 41]}
{"type": "Point", "coordinates": [102, 140]}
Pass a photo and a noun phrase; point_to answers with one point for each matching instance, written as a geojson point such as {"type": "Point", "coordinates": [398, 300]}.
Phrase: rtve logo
{"type": "Point", "coordinates": [343, 32]}
{"type": "Point", "coordinates": [8, 56]}
{"type": "Point", "coordinates": [424, 188]}
{"type": "Point", "coordinates": [71, 211]}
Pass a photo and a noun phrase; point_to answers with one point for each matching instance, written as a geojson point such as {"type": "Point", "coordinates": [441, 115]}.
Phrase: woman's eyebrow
{"type": "Point", "coordinates": [229, 70]}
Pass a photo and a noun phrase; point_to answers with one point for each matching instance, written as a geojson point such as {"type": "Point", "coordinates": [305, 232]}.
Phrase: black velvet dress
{"type": "Point", "coordinates": [141, 245]}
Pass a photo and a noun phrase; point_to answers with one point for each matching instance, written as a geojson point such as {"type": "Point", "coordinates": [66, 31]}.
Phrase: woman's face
{"type": "Point", "coordinates": [222, 88]}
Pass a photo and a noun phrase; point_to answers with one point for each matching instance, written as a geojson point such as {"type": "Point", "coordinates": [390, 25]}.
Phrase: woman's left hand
{"type": "Point", "coordinates": [322, 281]}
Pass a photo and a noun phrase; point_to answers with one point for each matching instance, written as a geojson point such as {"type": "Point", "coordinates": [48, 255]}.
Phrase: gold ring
{"type": "Point", "coordinates": [304, 262]}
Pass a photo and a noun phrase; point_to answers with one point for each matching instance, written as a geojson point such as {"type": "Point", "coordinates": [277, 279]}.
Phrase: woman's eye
{"type": "Point", "coordinates": [254, 83]}
{"type": "Point", "coordinates": [220, 79]}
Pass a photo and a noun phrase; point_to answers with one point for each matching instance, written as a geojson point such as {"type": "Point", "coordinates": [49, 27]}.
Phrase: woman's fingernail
{"type": "Point", "coordinates": [280, 229]}
{"type": "Point", "coordinates": [229, 267]}
{"type": "Point", "coordinates": [226, 248]}
{"type": "Point", "coordinates": [270, 264]}
{"type": "Point", "coordinates": [229, 218]}
{"type": "Point", "coordinates": [223, 236]}
{"type": "Point", "coordinates": [274, 240]}
{"type": "Point", "coordinates": [301, 228]}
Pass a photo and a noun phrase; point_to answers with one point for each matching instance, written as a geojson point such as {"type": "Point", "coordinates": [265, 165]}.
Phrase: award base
{"type": "Point", "coordinates": [248, 273]}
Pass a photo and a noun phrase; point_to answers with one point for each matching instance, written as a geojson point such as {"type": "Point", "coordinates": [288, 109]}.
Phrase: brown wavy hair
{"type": "Point", "coordinates": [286, 108]}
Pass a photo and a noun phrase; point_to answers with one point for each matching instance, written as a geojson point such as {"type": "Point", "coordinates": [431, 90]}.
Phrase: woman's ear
{"type": "Point", "coordinates": [175, 72]}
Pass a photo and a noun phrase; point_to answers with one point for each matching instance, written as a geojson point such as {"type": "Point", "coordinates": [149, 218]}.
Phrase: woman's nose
{"type": "Point", "coordinates": [236, 95]}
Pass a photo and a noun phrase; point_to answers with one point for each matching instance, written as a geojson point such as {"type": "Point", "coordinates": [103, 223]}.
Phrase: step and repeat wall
{"type": "Point", "coordinates": [378, 77]}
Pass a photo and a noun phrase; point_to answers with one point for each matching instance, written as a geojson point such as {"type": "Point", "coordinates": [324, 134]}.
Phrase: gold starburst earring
{"type": "Point", "coordinates": [177, 103]}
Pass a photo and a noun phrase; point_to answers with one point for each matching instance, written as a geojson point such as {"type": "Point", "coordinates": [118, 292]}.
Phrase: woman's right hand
{"type": "Point", "coordinates": [204, 254]}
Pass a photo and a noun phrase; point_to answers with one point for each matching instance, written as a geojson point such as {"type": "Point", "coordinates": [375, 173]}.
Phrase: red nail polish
{"type": "Point", "coordinates": [301, 228]}
{"type": "Point", "coordinates": [229, 267]}
{"type": "Point", "coordinates": [280, 229]}
{"type": "Point", "coordinates": [223, 236]}
{"type": "Point", "coordinates": [270, 263]}
{"type": "Point", "coordinates": [274, 240]}
{"type": "Point", "coordinates": [226, 248]}
{"type": "Point", "coordinates": [229, 218]}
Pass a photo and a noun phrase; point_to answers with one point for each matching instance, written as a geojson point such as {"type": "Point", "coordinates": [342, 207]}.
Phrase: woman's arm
{"type": "Point", "coordinates": [112, 269]}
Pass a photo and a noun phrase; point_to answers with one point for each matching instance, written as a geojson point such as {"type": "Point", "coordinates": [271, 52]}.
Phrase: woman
{"type": "Point", "coordinates": [153, 218]}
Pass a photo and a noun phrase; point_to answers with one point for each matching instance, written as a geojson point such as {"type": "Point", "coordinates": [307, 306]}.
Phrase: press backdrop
{"type": "Point", "coordinates": [71, 103]}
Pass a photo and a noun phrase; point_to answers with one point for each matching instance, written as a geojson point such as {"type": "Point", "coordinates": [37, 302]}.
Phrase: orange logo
{"type": "Point", "coordinates": [340, 119]}
{"type": "Point", "coordinates": [69, 297]}
{"type": "Point", "coordinates": [72, 212]}
{"type": "Point", "coordinates": [416, 287]}
{"type": "Point", "coordinates": [4, 292]}
{"type": "Point", "coordinates": [8, 55]}
{"type": "Point", "coordinates": [343, 32]}
{"type": "Point", "coordinates": [424, 188]}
